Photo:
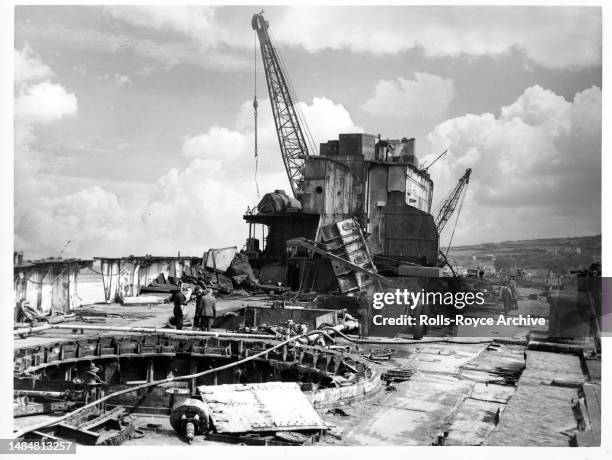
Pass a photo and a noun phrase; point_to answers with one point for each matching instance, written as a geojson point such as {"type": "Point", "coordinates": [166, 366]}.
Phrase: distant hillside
{"type": "Point", "coordinates": [566, 253]}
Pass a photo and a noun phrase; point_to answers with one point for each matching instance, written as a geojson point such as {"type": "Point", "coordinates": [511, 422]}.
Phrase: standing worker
{"type": "Point", "coordinates": [208, 310]}
{"type": "Point", "coordinates": [515, 294]}
{"type": "Point", "coordinates": [507, 298]}
{"type": "Point", "coordinates": [179, 301]}
{"type": "Point", "coordinates": [197, 317]}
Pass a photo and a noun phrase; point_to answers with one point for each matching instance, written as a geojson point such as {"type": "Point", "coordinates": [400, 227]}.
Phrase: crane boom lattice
{"type": "Point", "coordinates": [290, 137]}
{"type": "Point", "coordinates": [449, 205]}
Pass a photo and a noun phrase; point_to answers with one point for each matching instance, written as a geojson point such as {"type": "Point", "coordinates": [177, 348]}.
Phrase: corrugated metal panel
{"type": "Point", "coordinates": [273, 406]}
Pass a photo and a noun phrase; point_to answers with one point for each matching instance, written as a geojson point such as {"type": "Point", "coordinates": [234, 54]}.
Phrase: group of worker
{"type": "Point", "coordinates": [205, 311]}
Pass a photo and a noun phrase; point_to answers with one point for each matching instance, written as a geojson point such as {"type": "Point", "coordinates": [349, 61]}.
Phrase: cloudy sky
{"type": "Point", "coordinates": [134, 128]}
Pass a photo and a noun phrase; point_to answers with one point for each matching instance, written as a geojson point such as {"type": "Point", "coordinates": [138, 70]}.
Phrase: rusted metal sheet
{"type": "Point", "coordinates": [48, 284]}
{"type": "Point", "coordinates": [418, 188]}
{"type": "Point", "coordinates": [255, 316]}
{"type": "Point", "coordinates": [358, 144]}
{"type": "Point", "coordinates": [313, 198]}
{"type": "Point", "coordinates": [125, 277]}
{"type": "Point", "coordinates": [345, 240]}
{"type": "Point", "coordinates": [397, 179]}
{"type": "Point", "coordinates": [260, 407]}
{"type": "Point", "coordinates": [338, 192]}
{"type": "Point", "coordinates": [219, 259]}
{"type": "Point", "coordinates": [407, 232]}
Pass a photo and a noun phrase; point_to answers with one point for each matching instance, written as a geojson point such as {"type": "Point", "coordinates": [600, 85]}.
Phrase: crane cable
{"type": "Point", "coordinates": [255, 105]}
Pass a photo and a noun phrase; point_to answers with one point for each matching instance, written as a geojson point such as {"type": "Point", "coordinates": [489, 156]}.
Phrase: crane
{"type": "Point", "coordinates": [450, 203]}
{"type": "Point", "coordinates": [425, 168]}
{"type": "Point", "coordinates": [290, 136]}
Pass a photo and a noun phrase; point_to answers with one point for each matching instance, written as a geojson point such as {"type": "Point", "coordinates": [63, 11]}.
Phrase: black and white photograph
{"type": "Point", "coordinates": [304, 225]}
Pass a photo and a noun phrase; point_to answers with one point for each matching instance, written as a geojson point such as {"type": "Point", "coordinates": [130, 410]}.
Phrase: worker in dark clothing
{"type": "Point", "coordinates": [507, 299]}
{"type": "Point", "coordinates": [208, 310]}
{"type": "Point", "coordinates": [197, 317]}
{"type": "Point", "coordinates": [179, 301]}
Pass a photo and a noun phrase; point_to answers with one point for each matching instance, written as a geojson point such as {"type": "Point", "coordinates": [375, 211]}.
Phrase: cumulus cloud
{"type": "Point", "coordinates": [42, 216]}
{"type": "Point", "coordinates": [202, 205]}
{"type": "Point", "coordinates": [217, 140]}
{"type": "Point", "coordinates": [29, 67]}
{"type": "Point", "coordinates": [92, 219]}
{"type": "Point", "coordinates": [324, 117]}
{"type": "Point", "coordinates": [554, 37]}
{"type": "Point", "coordinates": [44, 102]}
{"type": "Point", "coordinates": [426, 98]}
{"type": "Point", "coordinates": [189, 210]}
{"type": "Point", "coordinates": [536, 166]}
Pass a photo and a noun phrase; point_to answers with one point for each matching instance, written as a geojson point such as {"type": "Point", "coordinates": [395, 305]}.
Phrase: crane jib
{"type": "Point", "coordinates": [449, 205]}
{"type": "Point", "coordinates": [289, 132]}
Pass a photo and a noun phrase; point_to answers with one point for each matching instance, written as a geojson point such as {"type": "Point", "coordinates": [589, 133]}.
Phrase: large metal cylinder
{"type": "Point", "coordinates": [189, 418]}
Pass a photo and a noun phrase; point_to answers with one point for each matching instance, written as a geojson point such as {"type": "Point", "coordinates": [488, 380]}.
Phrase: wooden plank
{"type": "Point", "coordinates": [592, 396]}
{"type": "Point", "coordinates": [246, 440]}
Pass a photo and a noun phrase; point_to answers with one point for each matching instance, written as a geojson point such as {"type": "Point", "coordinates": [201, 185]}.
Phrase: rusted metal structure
{"type": "Point", "coordinates": [377, 183]}
{"type": "Point", "coordinates": [47, 284]}
{"type": "Point", "coordinates": [126, 360]}
{"type": "Point", "coordinates": [125, 276]}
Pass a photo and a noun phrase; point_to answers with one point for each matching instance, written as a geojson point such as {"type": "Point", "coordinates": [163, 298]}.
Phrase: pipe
{"type": "Point", "coordinates": [31, 329]}
{"type": "Point", "coordinates": [408, 341]}
{"type": "Point", "coordinates": [20, 433]}
{"type": "Point", "coordinates": [163, 331]}
{"type": "Point", "coordinates": [146, 330]}
{"type": "Point", "coordinates": [310, 336]}
{"type": "Point", "coordinates": [42, 394]}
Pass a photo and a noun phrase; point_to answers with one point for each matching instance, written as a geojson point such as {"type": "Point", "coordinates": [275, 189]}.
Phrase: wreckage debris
{"type": "Point", "coordinates": [92, 427]}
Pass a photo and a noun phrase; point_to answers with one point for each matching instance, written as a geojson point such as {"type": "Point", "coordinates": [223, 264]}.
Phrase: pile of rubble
{"type": "Point", "coordinates": [237, 277]}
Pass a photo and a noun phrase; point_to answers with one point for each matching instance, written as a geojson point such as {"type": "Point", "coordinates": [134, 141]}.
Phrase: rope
{"type": "Point", "coordinates": [156, 383]}
{"type": "Point", "coordinates": [255, 110]}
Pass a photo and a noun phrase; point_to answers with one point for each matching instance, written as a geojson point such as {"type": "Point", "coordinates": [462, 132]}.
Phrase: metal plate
{"type": "Point", "coordinates": [272, 406]}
